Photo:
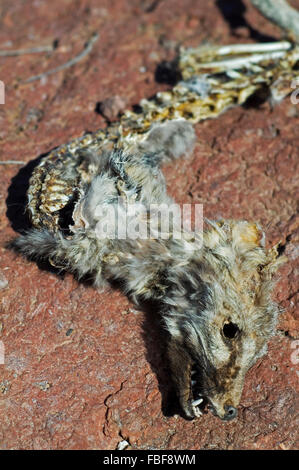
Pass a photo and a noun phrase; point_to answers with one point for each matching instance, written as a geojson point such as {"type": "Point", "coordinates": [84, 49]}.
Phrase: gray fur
{"type": "Point", "coordinates": [201, 285]}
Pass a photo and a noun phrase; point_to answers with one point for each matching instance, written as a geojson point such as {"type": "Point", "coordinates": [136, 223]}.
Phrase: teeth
{"type": "Point", "coordinates": [197, 402]}
{"type": "Point", "coordinates": [196, 411]}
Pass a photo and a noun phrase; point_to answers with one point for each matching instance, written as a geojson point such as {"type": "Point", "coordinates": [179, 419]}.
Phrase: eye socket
{"type": "Point", "coordinates": [230, 330]}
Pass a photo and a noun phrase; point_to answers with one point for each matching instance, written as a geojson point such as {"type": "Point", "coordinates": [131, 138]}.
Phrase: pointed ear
{"type": "Point", "coordinates": [241, 235]}
{"type": "Point", "coordinates": [274, 261]}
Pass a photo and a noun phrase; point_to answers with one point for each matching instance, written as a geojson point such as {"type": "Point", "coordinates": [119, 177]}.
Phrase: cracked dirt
{"type": "Point", "coordinates": [85, 369]}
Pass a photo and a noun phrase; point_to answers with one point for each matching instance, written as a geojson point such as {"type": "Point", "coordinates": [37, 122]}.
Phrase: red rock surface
{"type": "Point", "coordinates": [83, 369]}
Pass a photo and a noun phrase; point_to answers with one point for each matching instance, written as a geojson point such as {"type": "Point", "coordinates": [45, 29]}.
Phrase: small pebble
{"type": "Point", "coordinates": [122, 445]}
{"type": "Point", "coordinates": [111, 107]}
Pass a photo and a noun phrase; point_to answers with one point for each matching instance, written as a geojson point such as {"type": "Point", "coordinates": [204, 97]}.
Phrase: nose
{"type": "Point", "coordinates": [230, 412]}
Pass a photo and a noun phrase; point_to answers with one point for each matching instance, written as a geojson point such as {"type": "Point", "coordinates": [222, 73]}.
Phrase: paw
{"type": "Point", "coordinates": [195, 409]}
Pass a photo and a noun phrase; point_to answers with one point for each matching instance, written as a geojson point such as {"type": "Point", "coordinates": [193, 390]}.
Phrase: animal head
{"type": "Point", "coordinates": [220, 315]}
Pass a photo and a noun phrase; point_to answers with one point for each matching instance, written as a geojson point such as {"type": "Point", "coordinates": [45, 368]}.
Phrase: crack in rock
{"type": "Point", "coordinates": [107, 413]}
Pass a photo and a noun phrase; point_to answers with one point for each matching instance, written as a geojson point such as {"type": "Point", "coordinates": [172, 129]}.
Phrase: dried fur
{"type": "Point", "coordinates": [201, 285]}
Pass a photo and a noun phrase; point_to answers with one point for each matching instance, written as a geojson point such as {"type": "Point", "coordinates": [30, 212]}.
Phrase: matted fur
{"type": "Point", "coordinates": [214, 290]}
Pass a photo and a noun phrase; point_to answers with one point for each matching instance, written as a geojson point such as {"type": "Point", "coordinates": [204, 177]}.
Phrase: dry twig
{"type": "Point", "coordinates": [32, 50]}
{"type": "Point", "coordinates": [11, 162]}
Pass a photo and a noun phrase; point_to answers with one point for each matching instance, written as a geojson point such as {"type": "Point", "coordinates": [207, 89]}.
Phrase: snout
{"type": "Point", "coordinates": [225, 404]}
